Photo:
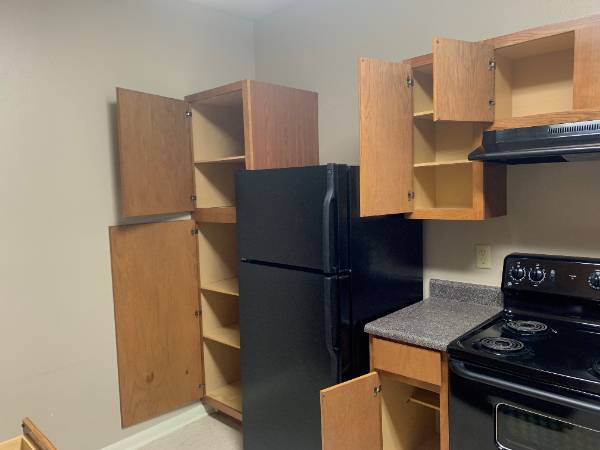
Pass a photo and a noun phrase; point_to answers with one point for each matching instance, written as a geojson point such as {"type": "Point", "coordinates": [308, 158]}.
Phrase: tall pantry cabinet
{"type": "Point", "coordinates": [175, 286]}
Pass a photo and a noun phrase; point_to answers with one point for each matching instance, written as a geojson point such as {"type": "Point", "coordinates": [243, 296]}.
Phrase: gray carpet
{"type": "Point", "coordinates": [215, 432]}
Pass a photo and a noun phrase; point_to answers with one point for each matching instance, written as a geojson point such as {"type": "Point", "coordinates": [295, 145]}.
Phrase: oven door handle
{"type": "Point", "coordinates": [460, 369]}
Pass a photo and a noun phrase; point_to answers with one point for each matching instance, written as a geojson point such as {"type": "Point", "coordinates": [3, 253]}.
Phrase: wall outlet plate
{"type": "Point", "coordinates": [483, 256]}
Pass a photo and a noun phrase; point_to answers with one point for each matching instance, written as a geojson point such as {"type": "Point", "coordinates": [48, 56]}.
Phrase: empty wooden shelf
{"type": "Point", "coordinates": [227, 397]}
{"type": "Point", "coordinates": [227, 286]}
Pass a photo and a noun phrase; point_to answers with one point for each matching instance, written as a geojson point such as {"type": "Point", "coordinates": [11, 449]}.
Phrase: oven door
{"type": "Point", "coordinates": [491, 410]}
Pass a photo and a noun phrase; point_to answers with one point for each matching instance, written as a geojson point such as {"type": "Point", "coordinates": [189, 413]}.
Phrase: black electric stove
{"type": "Point", "coordinates": [530, 376]}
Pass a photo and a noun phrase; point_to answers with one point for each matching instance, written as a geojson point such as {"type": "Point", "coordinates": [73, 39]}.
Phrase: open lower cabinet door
{"type": "Point", "coordinates": [155, 286]}
{"type": "Point", "coordinates": [155, 158]}
{"type": "Point", "coordinates": [463, 81]}
{"type": "Point", "coordinates": [351, 415]}
{"type": "Point", "coordinates": [385, 134]}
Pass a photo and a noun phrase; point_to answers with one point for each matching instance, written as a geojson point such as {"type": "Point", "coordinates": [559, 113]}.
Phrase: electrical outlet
{"type": "Point", "coordinates": [483, 256]}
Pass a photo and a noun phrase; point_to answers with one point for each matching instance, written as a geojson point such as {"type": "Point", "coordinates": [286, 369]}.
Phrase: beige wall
{"type": "Point", "coordinates": [315, 44]}
{"type": "Point", "coordinates": [60, 61]}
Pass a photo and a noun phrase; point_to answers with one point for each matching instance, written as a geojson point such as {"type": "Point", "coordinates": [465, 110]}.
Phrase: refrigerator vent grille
{"type": "Point", "coordinates": [588, 126]}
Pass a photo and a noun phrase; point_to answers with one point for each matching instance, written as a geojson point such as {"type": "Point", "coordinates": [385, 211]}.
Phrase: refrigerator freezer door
{"type": "Point", "coordinates": [294, 217]}
{"type": "Point", "coordinates": [289, 353]}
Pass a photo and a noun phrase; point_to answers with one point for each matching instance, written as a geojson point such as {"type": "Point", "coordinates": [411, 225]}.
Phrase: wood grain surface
{"type": "Point", "coordinates": [281, 126]}
{"type": "Point", "coordinates": [351, 415]}
{"type": "Point", "coordinates": [463, 84]}
{"type": "Point", "coordinates": [154, 154]}
{"type": "Point", "coordinates": [386, 135]}
{"type": "Point", "coordinates": [586, 82]}
{"type": "Point", "coordinates": [156, 300]}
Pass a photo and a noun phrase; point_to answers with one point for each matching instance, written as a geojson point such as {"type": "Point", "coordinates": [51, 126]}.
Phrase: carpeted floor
{"type": "Point", "coordinates": [215, 432]}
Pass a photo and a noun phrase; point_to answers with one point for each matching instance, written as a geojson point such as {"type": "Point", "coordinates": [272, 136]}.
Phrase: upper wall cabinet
{"type": "Point", "coordinates": [420, 119]}
{"type": "Point", "coordinates": [178, 156]}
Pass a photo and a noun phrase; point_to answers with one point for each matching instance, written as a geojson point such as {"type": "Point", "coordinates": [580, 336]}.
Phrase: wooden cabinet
{"type": "Point", "coordinates": [540, 76]}
{"type": "Point", "coordinates": [31, 439]}
{"type": "Point", "coordinates": [175, 283]}
{"type": "Point", "coordinates": [401, 405]}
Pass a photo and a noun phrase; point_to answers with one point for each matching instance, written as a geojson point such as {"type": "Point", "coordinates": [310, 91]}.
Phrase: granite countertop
{"type": "Point", "coordinates": [452, 309]}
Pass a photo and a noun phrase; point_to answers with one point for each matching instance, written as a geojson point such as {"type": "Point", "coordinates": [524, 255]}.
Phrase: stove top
{"type": "Point", "coordinates": [543, 333]}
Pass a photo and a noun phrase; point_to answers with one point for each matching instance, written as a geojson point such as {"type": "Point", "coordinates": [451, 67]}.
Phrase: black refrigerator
{"type": "Point", "coordinates": [312, 273]}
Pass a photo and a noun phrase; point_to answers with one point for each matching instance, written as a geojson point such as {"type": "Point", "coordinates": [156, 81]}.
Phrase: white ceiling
{"type": "Point", "coordinates": [249, 9]}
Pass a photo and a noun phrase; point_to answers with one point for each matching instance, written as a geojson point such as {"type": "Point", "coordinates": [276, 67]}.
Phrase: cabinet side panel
{"type": "Point", "coordinates": [586, 82]}
{"type": "Point", "coordinates": [281, 126]}
{"type": "Point", "coordinates": [154, 154]}
{"type": "Point", "coordinates": [155, 287]}
{"type": "Point", "coordinates": [386, 138]}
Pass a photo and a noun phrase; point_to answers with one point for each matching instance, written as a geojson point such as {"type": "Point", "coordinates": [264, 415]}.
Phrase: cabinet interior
{"type": "Point", "coordinates": [535, 77]}
{"type": "Point", "coordinates": [218, 255]}
{"type": "Point", "coordinates": [423, 90]}
{"type": "Point", "coordinates": [408, 424]}
{"type": "Point", "coordinates": [442, 173]}
{"type": "Point", "coordinates": [215, 183]}
{"type": "Point", "coordinates": [222, 374]}
{"type": "Point", "coordinates": [218, 127]}
{"type": "Point", "coordinates": [221, 318]}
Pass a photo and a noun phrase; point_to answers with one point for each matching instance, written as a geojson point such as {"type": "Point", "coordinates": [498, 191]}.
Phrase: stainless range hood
{"type": "Point", "coordinates": [577, 141]}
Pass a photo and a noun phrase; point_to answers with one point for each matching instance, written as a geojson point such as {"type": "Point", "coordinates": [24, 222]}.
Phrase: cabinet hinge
{"type": "Point", "coordinates": [411, 196]}
{"type": "Point", "coordinates": [197, 313]}
{"type": "Point", "coordinates": [492, 63]}
{"type": "Point", "coordinates": [188, 114]}
{"type": "Point", "coordinates": [491, 103]}
{"type": "Point", "coordinates": [195, 231]}
{"type": "Point", "coordinates": [377, 390]}
{"type": "Point", "coordinates": [410, 82]}
{"type": "Point", "coordinates": [200, 386]}
{"type": "Point", "coordinates": [193, 198]}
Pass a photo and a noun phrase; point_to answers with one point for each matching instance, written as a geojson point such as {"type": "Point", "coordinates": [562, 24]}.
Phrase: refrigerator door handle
{"type": "Point", "coordinates": [329, 222]}
{"type": "Point", "coordinates": [332, 330]}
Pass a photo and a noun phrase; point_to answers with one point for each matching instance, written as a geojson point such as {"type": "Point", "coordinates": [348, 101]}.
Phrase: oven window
{"type": "Point", "coordinates": [519, 429]}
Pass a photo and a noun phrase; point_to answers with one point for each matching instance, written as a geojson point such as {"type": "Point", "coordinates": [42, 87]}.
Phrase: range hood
{"type": "Point", "coordinates": [577, 141]}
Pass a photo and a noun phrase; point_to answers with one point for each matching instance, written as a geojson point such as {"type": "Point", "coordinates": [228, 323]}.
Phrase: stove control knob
{"type": "Point", "coordinates": [537, 275]}
{"type": "Point", "coordinates": [517, 273]}
{"type": "Point", "coordinates": [594, 280]}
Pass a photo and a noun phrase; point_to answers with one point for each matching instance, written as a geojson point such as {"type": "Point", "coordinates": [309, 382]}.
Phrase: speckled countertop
{"type": "Point", "coordinates": [451, 310]}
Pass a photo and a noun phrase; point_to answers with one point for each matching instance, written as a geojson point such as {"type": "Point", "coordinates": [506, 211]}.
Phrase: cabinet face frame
{"type": "Point", "coordinates": [386, 137]}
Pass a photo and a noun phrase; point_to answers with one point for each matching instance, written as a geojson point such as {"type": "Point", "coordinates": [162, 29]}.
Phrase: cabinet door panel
{"type": "Point", "coordinates": [155, 289]}
{"type": "Point", "coordinates": [385, 133]}
{"type": "Point", "coordinates": [154, 154]}
{"type": "Point", "coordinates": [351, 415]}
{"type": "Point", "coordinates": [463, 83]}
{"type": "Point", "coordinates": [586, 83]}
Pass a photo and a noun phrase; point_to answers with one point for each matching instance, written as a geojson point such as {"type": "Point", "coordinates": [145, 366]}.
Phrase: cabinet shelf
{"type": "Point", "coordinates": [228, 335]}
{"type": "Point", "coordinates": [443, 163]}
{"type": "Point", "coordinates": [225, 214]}
{"type": "Point", "coordinates": [229, 286]}
{"type": "Point", "coordinates": [228, 159]}
{"type": "Point", "coordinates": [426, 398]}
{"type": "Point", "coordinates": [432, 443]}
{"type": "Point", "coordinates": [229, 396]}
{"type": "Point", "coordinates": [428, 114]}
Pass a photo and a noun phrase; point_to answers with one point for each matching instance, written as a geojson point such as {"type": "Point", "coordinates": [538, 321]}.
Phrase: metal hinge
{"type": "Point", "coordinates": [491, 103]}
{"type": "Point", "coordinates": [195, 231]}
{"type": "Point", "coordinates": [200, 386]}
{"type": "Point", "coordinates": [410, 82]}
{"type": "Point", "coordinates": [197, 313]}
{"type": "Point", "coordinates": [377, 390]}
{"type": "Point", "coordinates": [188, 114]}
{"type": "Point", "coordinates": [193, 198]}
{"type": "Point", "coordinates": [411, 196]}
{"type": "Point", "coordinates": [492, 63]}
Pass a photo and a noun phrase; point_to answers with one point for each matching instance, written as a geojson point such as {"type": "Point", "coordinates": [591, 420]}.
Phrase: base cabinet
{"type": "Point", "coordinates": [386, 409]}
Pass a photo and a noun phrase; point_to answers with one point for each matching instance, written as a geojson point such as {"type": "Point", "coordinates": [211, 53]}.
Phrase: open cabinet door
{"type": "Point", "coordinates": [155, 289]}
{"type": "Point", "coordinates": [351, 415]}
{"type": "Point", "coordinates": [463, 81]}
{"type": "Point", "coordinates": [385, 135]}
{"type": "Point", "coordinates": [155, 156]}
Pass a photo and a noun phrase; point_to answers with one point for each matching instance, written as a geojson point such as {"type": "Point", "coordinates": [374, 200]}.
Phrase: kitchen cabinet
{"type": "Point", "coordinates": [544, 75]}
{"type": "Point", "coordinates": [175, 283]}
{"type": "Point", "coordinates": [31, 439]}
{"type": "Point", "coordinates": [401, 405]}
